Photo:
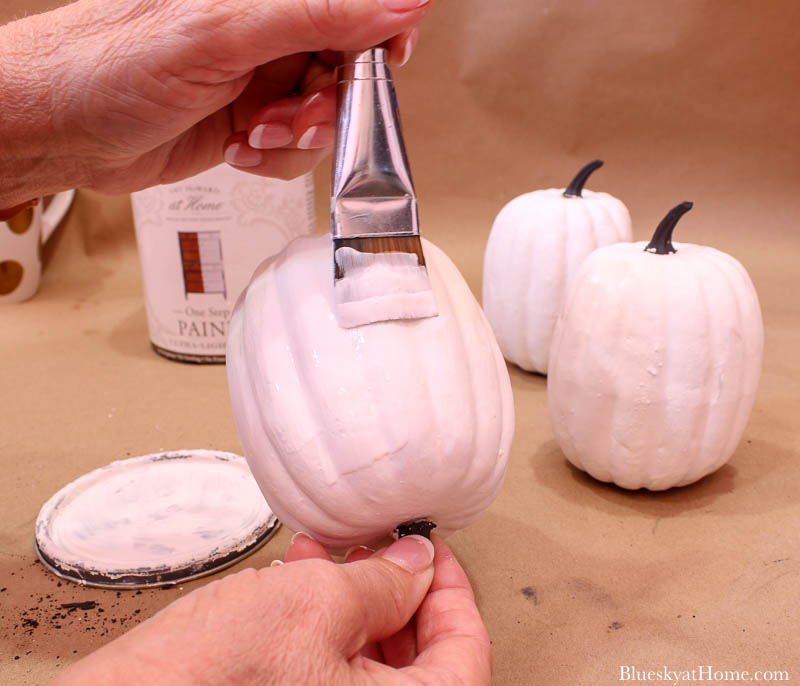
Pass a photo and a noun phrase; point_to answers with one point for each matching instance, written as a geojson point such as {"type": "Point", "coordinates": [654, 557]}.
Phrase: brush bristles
{"type": "Point", "coordinates": [410, 245]}
{"type": "Point", "coordinates": [376, 286]}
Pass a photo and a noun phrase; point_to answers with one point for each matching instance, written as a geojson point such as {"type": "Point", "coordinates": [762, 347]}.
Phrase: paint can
{"type": "Point", "coordinates": [200, 240]}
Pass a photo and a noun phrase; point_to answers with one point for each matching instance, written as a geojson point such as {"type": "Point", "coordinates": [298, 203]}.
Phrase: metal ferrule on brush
{"type": "Point", "coordinates": [372, 193]}
{"type": "Point", "coordinates": [379, 267]}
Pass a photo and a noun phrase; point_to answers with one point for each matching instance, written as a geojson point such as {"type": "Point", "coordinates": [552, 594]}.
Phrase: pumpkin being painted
{"type": "Point", "coordinates": [351, 432]}
{"type": "Point", "coordinates": [536, 245]}
{"type": "Point", "coordinates": [655, 361]}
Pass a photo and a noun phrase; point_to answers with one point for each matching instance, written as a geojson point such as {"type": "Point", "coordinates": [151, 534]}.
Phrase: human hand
{"type": "Point", "coordinates": [393, 617]}
{"type": "Point", "coordinates": [119, 95]}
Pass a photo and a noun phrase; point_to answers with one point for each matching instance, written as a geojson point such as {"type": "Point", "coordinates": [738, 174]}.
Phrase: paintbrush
{"type": "Point", "coordinates": [379, 265]}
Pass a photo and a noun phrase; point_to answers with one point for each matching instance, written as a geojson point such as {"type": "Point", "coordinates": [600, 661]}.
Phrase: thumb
{"type": "Point", "coordinates": [284, 27]}
{"type": "Point", "coordinates": [373, 599]}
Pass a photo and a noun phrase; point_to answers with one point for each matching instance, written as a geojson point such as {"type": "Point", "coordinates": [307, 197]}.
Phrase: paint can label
{"type": "Point", "coordinates": [199, 242]}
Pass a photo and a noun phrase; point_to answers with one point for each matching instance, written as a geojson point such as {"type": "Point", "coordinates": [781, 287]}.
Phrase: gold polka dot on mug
{"type": "Point", "coordinates": [11, 273]}
{"type": "Point", "coordinates": [22, 221]}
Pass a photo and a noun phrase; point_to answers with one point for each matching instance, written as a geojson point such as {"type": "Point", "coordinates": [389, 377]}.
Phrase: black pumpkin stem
{"type": "Point", "coordinates": [661, 244]}
{"type": "Point", "coordinates": [576, 187]}
{"type": "Point", "coordinates": [418, 527]}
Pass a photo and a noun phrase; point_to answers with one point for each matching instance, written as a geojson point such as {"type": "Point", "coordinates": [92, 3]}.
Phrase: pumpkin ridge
{"type": "Point", "coordinates": [326, 451]}
{"type": "Point", "coordinates": [246, 409]}
{"type": "Point", "coordinates": [619, 217]}
{"type": "Point", "coordinates": [702, 275]}
{"type": "Point", "coordinates": [618, 463]}
{"type": "Point", "coordinates": [516, 254]}
{"type": "Point", "coordinates": [417, 356]}
{"type": "Point", "coordinates": [745, 397]}
{"type": "Point", "coordinates": [323, 454]}
{"type": "Point", "coordinates": [597, 215]}
{"type": "Point", "coordinates": [657, 408]}
{"type": "Point", "coordinates": [495, 253]}
{"type": "Point", "coordinates": [567, 270]}
{"type": "Point", "coordinates": [675, 451]}
{"type": "Point", "coordinates": [465, 475]}
{"type": "Point", "coordinates": [508, 422]}
{"type": "Point", "coordinates": [747, 292]}
{"type": "Point", "coordinates": [603, 210]}
{"type": "Point", "coordinates": [502, 249]}
{"type": "Point", "coordinates": [471, 474]}
{"type": "Point", "coordinates": [294, 338]}
{"type": "Point", "coordinates": [705, 446]}
{"type": "Point", "coordinates": [701, 423]}
{"type": "Point", "coordinates": [746, 286]}
{"type": "Point", "coordinates": [585, 354]}
{"type": "Point", "coordinates": [526, 291]}
{"type": "Point", "coordinates": [577, 342]}
{"type": "Point", "coordinates": [554, 373]}
{"type": "Point", "coordinates": [476, 475]}
{"type": "Point", "coordinates": [560, 288]}
{"type": "Point", "coordinates": [528, 349]}
{"type": "Point", "coordinates": [588, 222]}
{"type": "Point", "coordinates": [290, 479]}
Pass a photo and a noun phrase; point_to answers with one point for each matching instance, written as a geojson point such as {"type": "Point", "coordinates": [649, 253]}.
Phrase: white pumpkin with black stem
{"type": "Point", "coordinates": [352, 432]}
{"type": "Point", "coordinates": [655, 361]}
{"type": "Point", "coordinates": [536, 245]}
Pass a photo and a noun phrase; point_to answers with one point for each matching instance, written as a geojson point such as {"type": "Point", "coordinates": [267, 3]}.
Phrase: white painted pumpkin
{"type": "Point", "coordinates": [536, 245]}
{"type": "Point", "coordinates": [351, 432]}
{"type": "Point", "coordinates": [655, 362]}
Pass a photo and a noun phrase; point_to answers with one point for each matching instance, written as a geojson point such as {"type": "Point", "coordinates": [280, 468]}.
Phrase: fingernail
{"type": "Point", "coordinates": [403, 5]}
{"type": "Point", "coordinates": [270, 135]}
{"type": "Point", "coordinates": [276, 563]}
{"type": "Point", "coordinates": [408, 48]}
{"type": "Point", "coordinates": [412, 553]}
{"type": "Point", "coordinates": [317, 136]}
{"type": "Point", "coordinates": [312, 98]}
{"type": "Point", "coordinates": [348, 552]}
{"type": "Point", "coordinates": [302, 534]}
{"type": "Point", "coordinates": [241, 155]}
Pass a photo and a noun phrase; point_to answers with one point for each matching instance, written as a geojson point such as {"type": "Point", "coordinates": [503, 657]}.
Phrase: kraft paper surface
{"type": "Point", "coordinates": [577, 580]}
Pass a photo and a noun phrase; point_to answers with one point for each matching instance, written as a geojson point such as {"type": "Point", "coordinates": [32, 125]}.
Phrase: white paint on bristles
{"type": "Point", "coordinates": [381, 287]}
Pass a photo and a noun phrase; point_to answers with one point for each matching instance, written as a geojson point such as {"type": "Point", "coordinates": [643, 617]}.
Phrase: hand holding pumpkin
{"type": "Point", "coordinates": [311, 622]}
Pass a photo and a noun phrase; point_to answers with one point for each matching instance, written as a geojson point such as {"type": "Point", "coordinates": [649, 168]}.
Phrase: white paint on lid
{"type": "Point", "coordinates": [155, 518]}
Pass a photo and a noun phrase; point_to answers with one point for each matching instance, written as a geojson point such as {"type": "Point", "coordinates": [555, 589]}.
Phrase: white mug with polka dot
{"type": "Point", "coordinates": [21, 240]}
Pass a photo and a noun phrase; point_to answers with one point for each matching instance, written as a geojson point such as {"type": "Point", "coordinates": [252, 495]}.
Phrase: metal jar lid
{"type": "Point", "coordinates": [154, 520]}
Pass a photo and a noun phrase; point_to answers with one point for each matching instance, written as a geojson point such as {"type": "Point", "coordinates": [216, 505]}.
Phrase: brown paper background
{"type": "Point", "coordinates": [686, 100]}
